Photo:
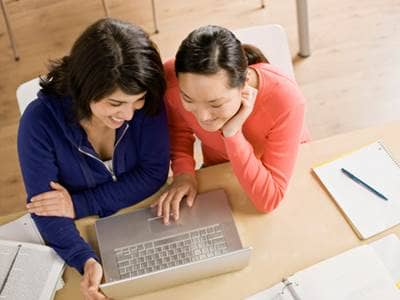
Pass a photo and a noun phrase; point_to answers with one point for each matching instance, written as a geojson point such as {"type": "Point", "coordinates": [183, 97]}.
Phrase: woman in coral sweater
{"type": "Point", "coordinates": [242, 109]}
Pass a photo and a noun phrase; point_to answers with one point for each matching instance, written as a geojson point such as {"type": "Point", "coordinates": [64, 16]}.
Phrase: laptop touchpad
{"type": "Point", "coordinates": [156, 224]}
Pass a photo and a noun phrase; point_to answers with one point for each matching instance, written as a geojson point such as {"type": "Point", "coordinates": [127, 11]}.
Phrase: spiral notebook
{"type": "Point", "coordinates": [367, 272]}
{"type": "Point", "coordinates": [367, 213]}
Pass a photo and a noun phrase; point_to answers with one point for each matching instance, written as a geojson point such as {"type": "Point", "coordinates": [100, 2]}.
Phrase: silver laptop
{"type": "Point", "coordinates": [140, 254]}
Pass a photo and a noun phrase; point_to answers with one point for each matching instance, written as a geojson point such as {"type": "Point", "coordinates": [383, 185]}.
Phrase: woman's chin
{"type": "Point", "coordinates": [211, 127]}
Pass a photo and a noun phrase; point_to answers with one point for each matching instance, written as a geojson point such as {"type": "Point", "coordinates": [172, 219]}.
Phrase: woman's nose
{"type": "Point", "coordinates": [203, 115]}
{"type": "Point", "coordinates": [127, 113]}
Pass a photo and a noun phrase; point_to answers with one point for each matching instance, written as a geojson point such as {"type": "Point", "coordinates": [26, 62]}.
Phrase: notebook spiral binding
{"type": "Point", "coordinates": [382, 145]}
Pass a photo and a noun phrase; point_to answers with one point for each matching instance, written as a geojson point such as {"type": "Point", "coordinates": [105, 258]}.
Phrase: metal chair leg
{"type": "Point", "coordinates": [105, 7]}
{"type": "Point", "coordinates": [153, 8]}
{"type": "Point", "coordinates": [9, 30]}
{"type": "Point", "coordinates": [302, 28]}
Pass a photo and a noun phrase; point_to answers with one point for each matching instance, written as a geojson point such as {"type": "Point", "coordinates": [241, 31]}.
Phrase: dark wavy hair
{"type": "Point", "coordinates": [108, 55]}
{"type": "Point", "coordinates": [211, 48]}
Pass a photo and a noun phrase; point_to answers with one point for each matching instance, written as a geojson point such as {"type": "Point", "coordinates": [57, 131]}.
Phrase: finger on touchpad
{"type": "Point", "coordinates": [156, 224]}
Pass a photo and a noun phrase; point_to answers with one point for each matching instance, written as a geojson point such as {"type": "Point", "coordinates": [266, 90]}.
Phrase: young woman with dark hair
{"type": "Point", "coordinates": [242, 109]}
{"type": "Point", "coordinates": [87, 144]}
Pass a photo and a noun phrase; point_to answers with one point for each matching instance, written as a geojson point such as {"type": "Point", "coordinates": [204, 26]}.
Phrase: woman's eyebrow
{"type": "Point", "coordinates": [124, 101]}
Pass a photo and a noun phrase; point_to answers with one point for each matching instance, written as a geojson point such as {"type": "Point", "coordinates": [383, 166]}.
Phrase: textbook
{"type": "Point", "coordinates": [24, 232]}
{"type": "Point", "coordinates": [28, 271]}
{"type": "Point", "coordinates": [367, 272]}
{"type": "Point", "coordinates": [365, 185]}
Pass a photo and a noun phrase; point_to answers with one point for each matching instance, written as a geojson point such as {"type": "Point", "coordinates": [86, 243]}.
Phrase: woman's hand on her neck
{"type": "Point", "coordinates": [235, 124]}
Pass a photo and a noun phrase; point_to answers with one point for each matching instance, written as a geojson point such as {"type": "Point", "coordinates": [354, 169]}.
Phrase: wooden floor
{"type": "Point", "coordinates": [352, 79]}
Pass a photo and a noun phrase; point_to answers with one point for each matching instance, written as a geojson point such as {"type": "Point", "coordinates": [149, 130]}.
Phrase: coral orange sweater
{"type": "Point", "coordinates": [262, 154]}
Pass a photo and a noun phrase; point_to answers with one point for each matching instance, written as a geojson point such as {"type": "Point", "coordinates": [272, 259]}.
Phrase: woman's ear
{"type": "Point", "coordinates": [247, 77]}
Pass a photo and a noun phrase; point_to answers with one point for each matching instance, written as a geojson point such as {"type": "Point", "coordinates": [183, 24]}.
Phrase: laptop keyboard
{"type": "Point", "coordinates": [175, 250]}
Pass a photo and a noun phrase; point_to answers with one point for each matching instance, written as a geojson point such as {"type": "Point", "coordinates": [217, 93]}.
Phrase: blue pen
{"type": "Point", "coordinates": [360, 182]}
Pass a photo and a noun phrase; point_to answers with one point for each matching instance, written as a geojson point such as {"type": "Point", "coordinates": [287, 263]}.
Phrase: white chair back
{"type": "Point", "coordinates": [26, 93]}
{"type": "Point", "coordinates": [272, 41]}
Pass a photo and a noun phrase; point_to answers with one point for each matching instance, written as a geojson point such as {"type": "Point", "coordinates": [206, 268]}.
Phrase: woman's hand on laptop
{"type": "Point", "coordinates": [184, 185]}
{"type": "Point", "coordinates": [56, 203]}
{"type": "Point", "coordinates": [92, 274]}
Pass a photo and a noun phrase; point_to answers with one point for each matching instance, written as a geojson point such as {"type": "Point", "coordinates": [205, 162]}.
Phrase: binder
{"type": "Point", "coordinates": [367, 213]}
{"type": "Point", "coordinates": [362, 273]}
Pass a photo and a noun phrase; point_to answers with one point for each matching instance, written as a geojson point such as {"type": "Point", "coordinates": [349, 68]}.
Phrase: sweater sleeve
{"type": "Point", "coordinates": [265, 179]}
{"type": "Point", "coordinates": [39, 167]}
{"type": "Point", "coordinates": [135, 185]}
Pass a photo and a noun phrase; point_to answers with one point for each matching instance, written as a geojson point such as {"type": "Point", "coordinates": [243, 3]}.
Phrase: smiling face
{"type": "Point", "coordinates": [113, 110]}
{"type": "Point", "coordinates": [209, 98]}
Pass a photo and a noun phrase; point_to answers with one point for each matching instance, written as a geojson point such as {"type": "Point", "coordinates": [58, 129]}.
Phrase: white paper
{"type": "Point", "coordinates": [358, 274]}
{"type": "Point", "coordinates": [365, 272]}
{"type": "Point", "coordinates": [7, 254]}
{"type": "Point", "coordinates": [22, 229]}
{"type": "Point", "coordinates": [34, 274]}
{"type": "Point", "coordinates": [368, 213]}
{"type": "Point", "coordinates": [388, 249]}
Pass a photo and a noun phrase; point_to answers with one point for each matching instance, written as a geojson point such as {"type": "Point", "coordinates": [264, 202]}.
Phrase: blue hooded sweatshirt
{"type": "Point", "coordinates": [51, 147]}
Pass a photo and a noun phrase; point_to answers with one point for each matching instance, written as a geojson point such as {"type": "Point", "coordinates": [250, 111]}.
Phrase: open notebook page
{"type": "Point", "coordinates": [388, 249]}
{"type": "Point", "coordinates": [7, 254]}
{"type": "Point", "coordinates": [358, 274]}
{"type": "Point", "coordinates": [24, 229]}
{"type": "Point", "coordinates": [34, 274]}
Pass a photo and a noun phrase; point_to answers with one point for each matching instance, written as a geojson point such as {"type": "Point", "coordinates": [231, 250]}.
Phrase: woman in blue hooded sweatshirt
{"type": "Point", "coordinates": [96, 139]}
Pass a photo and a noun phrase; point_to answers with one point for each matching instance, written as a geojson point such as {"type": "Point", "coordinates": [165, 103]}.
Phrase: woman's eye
{"type": "Point", "coordinates": [216, 106]}
{"type": "Point", "coordinates": [115, 104]}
